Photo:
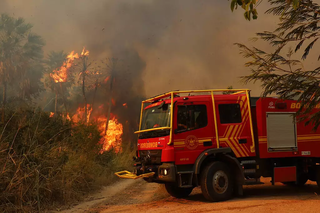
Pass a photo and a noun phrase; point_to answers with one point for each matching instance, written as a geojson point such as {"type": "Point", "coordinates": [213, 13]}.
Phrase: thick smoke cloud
{"type": "Point", "coordinates": [160, 45]}
{"type": "Point", "coordinates": [185, 44]}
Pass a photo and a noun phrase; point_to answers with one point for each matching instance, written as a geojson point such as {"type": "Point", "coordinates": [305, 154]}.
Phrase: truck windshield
{"type": "Point", "coordinates": [155, 117]}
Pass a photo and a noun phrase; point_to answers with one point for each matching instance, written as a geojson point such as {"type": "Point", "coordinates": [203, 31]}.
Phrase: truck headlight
{"type": "Point", "coordinates": [165, 172]}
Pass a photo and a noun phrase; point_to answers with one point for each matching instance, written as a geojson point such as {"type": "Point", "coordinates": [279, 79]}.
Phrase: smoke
{"type": "Point", "coordinates": [160, 45]}
{"type": "Point", "coordinates": [185, 44]}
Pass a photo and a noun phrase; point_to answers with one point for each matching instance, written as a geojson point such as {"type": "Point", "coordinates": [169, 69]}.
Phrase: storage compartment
{"type": "Point", "coordinates": [281, 132]}
{"type": "Point", "coordinates": [285, 174]}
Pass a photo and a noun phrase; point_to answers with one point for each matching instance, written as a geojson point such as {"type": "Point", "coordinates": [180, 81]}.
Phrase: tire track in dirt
{"type": "Point", "coordinates": [104, 194]}
{"type": "Point", "coordinates": [139, 196]}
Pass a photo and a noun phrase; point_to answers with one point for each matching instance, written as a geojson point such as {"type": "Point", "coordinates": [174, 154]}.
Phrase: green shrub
{"type": "Point", "coordinates": [46, 161]}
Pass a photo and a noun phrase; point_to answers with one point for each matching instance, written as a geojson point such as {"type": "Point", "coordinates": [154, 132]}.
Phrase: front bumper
{"type": "Point", "coordinates": [129, 175]}
{"type": "Point", "coordinates": [165, 172]}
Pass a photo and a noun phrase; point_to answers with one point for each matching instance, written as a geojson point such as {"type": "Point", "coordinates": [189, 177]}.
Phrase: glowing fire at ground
{"type": "Point", "coordinates": [113, 138]}
{"type": "Point", "coordinates": [81, 113]}
{"type": "Point", "coordinates": [115, 130]}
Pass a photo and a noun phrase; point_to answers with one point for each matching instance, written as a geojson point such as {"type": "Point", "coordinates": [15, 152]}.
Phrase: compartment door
{"type": "Point", "coordinates": [281, 132]}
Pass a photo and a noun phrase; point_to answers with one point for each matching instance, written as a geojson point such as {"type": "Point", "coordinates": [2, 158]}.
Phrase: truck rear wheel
{"type": "Point", "coordinates": [176, 191]}
{"type": "Point", "coordinates": [216, 182]}
{"type": "Point", "coordinates": [318, 176]}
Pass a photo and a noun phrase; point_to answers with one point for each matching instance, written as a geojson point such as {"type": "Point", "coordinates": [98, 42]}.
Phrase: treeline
{"type": "Point", "coordinates": [29, 77]}
{"type": "Point", "coordinates": [48, 161]}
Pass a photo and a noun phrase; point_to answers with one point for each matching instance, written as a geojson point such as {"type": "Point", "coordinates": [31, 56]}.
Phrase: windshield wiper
{"type": "Point", "coordinates": [153, 134]}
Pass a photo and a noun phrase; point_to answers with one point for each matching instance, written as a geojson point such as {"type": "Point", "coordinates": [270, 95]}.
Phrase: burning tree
{"type": "Point", "coordinates": [77, 70]}
{"type": "Point", "coordinates": [60, 76]}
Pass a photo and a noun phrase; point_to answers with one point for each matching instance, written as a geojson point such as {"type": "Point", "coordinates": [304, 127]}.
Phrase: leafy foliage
{"type": "Point", "coordinates": [228, 92]}
{"type": "Point", "coordinates": [20, 56]}
{"type": "Point", "coordinates": [250, 6]}
{"type": "Point", "coordinates": [278, 72]}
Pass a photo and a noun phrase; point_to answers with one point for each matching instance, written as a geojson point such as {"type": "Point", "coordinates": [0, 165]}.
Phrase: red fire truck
{"type": "Point", "coordinates": [222, 139]}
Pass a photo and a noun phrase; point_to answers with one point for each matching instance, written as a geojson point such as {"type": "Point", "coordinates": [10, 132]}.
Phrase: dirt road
{"type": "Point", "coordinates": [138, 196]}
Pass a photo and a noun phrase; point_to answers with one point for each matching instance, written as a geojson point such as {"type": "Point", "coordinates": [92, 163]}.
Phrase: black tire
{"type": "Point", "coordinates": [318, 176]}
{"type": "Point", "coordinates": [217, 184]}
{"type": "Point", "coordinates": [176, 191]}
{"type": "Point", "coordinates": [302, 179]}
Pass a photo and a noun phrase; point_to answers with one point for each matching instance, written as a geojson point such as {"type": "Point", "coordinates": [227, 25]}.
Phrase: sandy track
{"type": "Point", "coordinates": [138, 196]}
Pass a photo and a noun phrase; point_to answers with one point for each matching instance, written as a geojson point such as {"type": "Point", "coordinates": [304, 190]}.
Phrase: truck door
{"type": "Point", "coordinates": [234, 126]}
{"type": "Point", "coordinates": [193, 131]}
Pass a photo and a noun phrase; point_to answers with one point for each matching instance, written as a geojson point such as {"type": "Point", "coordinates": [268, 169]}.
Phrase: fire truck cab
{"type": "Point", "coordinates": [222, 139]}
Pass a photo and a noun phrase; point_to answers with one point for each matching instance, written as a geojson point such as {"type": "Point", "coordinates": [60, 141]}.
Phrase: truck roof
{"type": "Point", "coordinates": [196, 98]}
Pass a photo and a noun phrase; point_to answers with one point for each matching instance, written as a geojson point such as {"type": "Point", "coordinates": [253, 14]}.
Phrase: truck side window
{"type": "Point", "coordinates": [229, 113]}
{"type": "Point", "coordinates": [191, 117]}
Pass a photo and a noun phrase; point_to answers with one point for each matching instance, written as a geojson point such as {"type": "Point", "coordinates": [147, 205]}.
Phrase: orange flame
{"type": "Point", "coordinates": [113, 102]}
{"type": "Point", "coordinates": [107, 79]}
{"type": "Point", "coordinates": [84, 52]}
{"type": "Point", "coordinates": [125, 105]}
{"type": "Point", "coordinates": [114, 133]}
{"type": "Point", "coordinates": [51, 114]}
{"type": "Point", "coordinates": [61, 74]}
{"type": "Point", "coordinates": [68, 117]}
{"type": "Point", "coordinates": [113, 138]}
{"type": "Point", "coordinates": [80, 114]}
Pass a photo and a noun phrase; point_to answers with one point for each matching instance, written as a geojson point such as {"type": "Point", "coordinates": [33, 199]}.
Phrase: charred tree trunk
{"type": "Point", "coordinates": [113, 64]}
{"type": "Point", "coordinates": [84, 69]}
{"type": "Point", "coordinates": [63, 98]}
{"type": "Point", "coordinates": [96, 84]}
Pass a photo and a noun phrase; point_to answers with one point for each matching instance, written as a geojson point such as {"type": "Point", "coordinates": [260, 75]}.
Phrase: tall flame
{"type": "Point", "coordinates": [114, 133]}
{"type": "Point", "coordinates": [61, 74]}
{"type": "Point", "coordinates": [80, 114]}
{"type": "Point", "coordinates": [113, 138]}
{"type": "Point", "coordinates": [84, 52]}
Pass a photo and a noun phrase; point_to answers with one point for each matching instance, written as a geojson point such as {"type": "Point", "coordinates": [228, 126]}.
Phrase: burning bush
{"type": "Point", "coordinates": [47, 160]}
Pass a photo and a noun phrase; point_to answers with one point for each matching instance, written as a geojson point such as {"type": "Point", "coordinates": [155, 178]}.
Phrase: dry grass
{"type": "Point", "coordinates": [47, 162]}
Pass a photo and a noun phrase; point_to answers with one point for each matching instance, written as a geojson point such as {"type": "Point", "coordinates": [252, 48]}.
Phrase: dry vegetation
{"type": "Point", "coordinates": [47, 162]}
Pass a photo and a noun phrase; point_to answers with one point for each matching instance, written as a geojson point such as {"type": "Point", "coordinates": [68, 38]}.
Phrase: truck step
{"type": "Point", "coordinates": [246, 162]}
{"type": "Point", "coordinates": [186, 186]}
{"type": "Point", "coordinates": [185, 178]}
{"type": "Point", "coordinates": [249, 171]}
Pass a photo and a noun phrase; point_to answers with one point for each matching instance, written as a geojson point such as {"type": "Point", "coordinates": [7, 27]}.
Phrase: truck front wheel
{"type": "Point", "coordinates": [176, 191]}
{"type": "Point", "coordinates": [216, 182]}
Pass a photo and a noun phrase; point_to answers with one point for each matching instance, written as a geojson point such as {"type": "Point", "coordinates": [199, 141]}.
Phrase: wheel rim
{"type": "Point", "coordinates": [220, 182]}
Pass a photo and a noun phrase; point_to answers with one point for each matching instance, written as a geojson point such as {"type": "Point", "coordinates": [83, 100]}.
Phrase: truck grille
{"type": "Point", "coordinates": [155, 155]}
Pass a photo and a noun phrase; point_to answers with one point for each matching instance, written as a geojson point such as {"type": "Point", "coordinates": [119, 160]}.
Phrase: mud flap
{"type": "Point", "coordinates": [129, 175]}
